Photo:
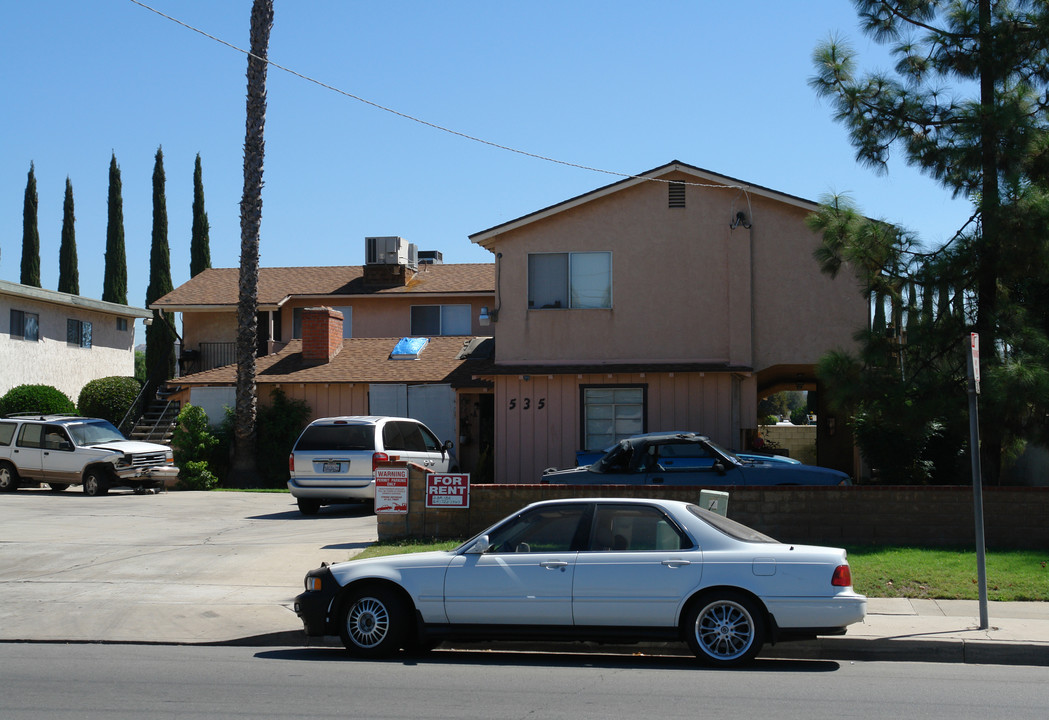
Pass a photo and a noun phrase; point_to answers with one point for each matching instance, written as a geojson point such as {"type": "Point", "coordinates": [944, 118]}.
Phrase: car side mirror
{"type": "Point", "coordinates": [448, 445]}
{"type": "Point", "coordinates": [719, 467]}
{"type": "Point", "coordinates": [479, 547]}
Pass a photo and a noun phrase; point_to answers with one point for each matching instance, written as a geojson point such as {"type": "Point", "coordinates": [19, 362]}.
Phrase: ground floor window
{"type": "Point", "coordinates": [611, 413]}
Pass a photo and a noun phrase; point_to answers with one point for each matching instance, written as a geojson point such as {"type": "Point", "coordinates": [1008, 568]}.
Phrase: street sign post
{"type": "Point", "coordinates": [977, 472]}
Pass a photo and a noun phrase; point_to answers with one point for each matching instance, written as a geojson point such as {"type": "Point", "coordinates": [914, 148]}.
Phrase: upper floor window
{"type": "Point", "coordinates": [570, 280]}
{"type": "Point", "coordinates": [121, 324]}
{"type": "Point", "coordinates": [78, 332]}
{"type": "Point", "coordinates": [431, 320]}
{"type": "Point", "coordinates": [25, 325]}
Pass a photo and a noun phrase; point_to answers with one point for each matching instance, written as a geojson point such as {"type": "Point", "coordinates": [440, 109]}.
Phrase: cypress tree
{"type": "Point", "coordinates": [114, 285]}
{"type": "Point", "coordinates": [30, 234]}
{"type": "Point", "coordinates": [68, 274]}
{"type": "Point", "coordinates": [160, 335]}
{"type": "Point", "coordinates": [200, 244]}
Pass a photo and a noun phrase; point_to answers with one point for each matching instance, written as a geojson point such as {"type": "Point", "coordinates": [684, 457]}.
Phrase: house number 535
{"type": "Point", "coordinates": [526, 404]}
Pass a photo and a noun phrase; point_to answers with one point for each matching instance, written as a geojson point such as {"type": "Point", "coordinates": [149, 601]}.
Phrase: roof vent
{"type": "Point", "coordinates": [676, 194]}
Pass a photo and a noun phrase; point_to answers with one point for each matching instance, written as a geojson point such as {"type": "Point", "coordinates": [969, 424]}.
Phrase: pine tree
{"type": "Point", "coordinates": [30, 234]}
{"type": "Point", "coordinates": [244, 471]}
{"type": "Point", "coordinates": [160, 335]}
{"type": "Point", "coordinates": [68, 273]}
{"type": "Point", "coordinates": [114, 284]}
{"type": "Point", "coordinates": [199, 246]}
{"type": "Point", "coordinates": [967, 104]}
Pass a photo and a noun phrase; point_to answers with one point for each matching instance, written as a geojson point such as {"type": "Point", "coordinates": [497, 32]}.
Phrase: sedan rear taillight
{"type": "Point", "coordinates": [291, 463]}
{"type": "Point", "coordinates": [379, 457]}
{"type": "Point", "coordinates": [842, 576]}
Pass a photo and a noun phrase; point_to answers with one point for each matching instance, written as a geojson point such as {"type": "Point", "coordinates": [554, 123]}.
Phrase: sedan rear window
{"type": "Point", "coordinates": [320, 438]}
{"type": "Point", "coordinates": [733, 529]}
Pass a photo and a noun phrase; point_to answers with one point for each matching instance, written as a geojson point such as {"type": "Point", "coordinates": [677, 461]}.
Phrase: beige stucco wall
{"type": "Point", "coordinates": [50, 360]}
{"type": "Point", "coordinates": [685, 287]}
{"type": "Point", "coordinates": [386, 316]}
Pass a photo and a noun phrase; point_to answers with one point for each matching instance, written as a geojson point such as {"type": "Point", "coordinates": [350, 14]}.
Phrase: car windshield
{"type": "Point", "coordinates": [616, 460]}
{"type": "Point", "coordinates": [733, 529]}
{"type": "Point", "coordinates": [727, 453]}
{"type": "Point", "coordinates": [328, 438]}
{"type": "Point", "coordinates": [94, 432]}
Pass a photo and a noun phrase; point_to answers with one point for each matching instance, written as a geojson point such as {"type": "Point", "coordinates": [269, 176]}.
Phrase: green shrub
{"type": "Point", "coordinates": [195, 475]}
{"type": "Point", "coordinates": [193, 440]}
{"type": "Point", "coordinates": [42, 399]}
{"type": "Point", "coordinates": [109, 398]}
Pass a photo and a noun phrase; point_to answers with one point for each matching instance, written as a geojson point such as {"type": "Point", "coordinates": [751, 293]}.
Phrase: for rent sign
{"type": "Point", "coordinates": [448, 491]}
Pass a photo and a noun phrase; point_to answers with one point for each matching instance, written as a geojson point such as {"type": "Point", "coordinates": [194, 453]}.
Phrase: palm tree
{"type": "Point", "coordinates": [244, 471]}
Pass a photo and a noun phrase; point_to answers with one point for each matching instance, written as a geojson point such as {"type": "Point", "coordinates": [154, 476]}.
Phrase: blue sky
{"type": "Point", "coordinates": [622, 86]}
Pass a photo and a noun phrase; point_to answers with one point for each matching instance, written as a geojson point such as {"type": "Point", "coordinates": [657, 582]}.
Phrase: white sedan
{"type": "Point", "coordinates": [591, 569]}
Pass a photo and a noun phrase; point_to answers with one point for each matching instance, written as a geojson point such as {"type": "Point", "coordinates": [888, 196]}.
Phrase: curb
{"type": "Point", "coordinates": [849, 649]}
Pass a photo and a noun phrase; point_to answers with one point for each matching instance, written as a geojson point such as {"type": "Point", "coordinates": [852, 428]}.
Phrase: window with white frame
{"type": "Point", "coordinates": [569, 280]}
{"type": "Point", "coordinates": [25, 325]}
{"type": "Point", "coordinates": [611, 413]}
{"type": "Point", "coordinates": [431, 320]}
{"type": "Point", "coordinates": [78, 332]}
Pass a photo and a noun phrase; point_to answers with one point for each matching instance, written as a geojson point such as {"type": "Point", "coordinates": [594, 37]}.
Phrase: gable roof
{"type": "Point", "coordinates": [484, 237]}
{"type": "Point", "coordinates": [217, 288]}
{"type": "Point", "coordinates": [446, 359]}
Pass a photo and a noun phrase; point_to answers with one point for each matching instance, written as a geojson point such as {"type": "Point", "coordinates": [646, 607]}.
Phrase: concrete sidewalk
{"type": "Point", "coordinates": [223, 568]}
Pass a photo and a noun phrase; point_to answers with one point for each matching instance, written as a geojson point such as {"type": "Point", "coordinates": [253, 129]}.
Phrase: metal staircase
{"type": "Point", "coordinates": [157, 423]}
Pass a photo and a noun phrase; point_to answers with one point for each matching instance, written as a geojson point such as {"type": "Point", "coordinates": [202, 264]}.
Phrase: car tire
{"type": "Point", "coordinates": [309, 507]}
{"type": "Point", "coordinates": [58, 487]}
{"type": "Point", "coordinates": [96, 482]}
{"type": "Point", "coordinates": [374, 622]}
{"type": "Point", "coordinates": [725, 629]}
{"type": "Point", "coordinates": [8, 477]}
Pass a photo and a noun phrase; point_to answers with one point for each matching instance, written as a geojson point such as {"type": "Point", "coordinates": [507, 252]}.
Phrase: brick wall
{"type": "Point", "coordinates": [798, 440]}
{"type": "Point", "coordinates": [856, 515]}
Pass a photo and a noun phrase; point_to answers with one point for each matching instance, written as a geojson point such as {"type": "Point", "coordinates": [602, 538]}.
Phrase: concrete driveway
{"type": "Point", "coordinates": [172, 567]}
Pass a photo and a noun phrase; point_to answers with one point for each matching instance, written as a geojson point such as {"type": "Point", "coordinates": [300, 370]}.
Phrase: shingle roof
{"type": "Point", "coordinates": [219, 286]}
{"type": "Point", "coordinates": [361, 360]}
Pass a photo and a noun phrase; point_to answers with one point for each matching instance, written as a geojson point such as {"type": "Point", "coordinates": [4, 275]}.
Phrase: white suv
{"type": "Point", "coordinates": [334, 459]}
{"type": "Point", "coordinates": [61, 450]}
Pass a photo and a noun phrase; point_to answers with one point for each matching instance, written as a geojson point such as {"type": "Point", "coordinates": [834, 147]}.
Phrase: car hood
{"type": "Point", "coordinates": [389, 565]}
{"type": "Point", "coordinates": [131, 446]}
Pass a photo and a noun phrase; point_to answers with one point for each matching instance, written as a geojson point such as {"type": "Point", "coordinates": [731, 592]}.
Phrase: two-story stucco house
{"type": "Point", "coordinates": [63, 340]}
{"type": "Point", "coordinates": [673, 300]}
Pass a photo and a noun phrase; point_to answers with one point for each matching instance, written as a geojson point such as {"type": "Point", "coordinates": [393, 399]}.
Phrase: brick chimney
{"type": "Point", "coordinates": [321, 335]}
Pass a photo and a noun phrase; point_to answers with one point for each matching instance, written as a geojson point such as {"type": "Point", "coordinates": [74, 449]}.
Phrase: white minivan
{"type": "Point", "coordinates": [334, 459]}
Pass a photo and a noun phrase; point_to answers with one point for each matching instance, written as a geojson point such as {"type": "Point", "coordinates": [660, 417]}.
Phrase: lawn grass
{"type": "Point", "coordinates": [891, 572]}
{"type": "Point", "coordinates": [945, 574]}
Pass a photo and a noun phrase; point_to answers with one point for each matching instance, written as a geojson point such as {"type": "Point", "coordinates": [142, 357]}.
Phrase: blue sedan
{"type": "Point", "coordinates": [688, 459]}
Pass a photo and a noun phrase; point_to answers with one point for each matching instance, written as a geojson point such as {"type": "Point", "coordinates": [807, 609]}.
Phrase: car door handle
{"type": "Point", "coordinates": [553, 564]}
{"type": "Point", "coordinates": [676, 563]}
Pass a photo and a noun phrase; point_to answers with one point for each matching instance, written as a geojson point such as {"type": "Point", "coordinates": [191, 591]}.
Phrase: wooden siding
{"type": "Point", "coordinates": [538, 420]}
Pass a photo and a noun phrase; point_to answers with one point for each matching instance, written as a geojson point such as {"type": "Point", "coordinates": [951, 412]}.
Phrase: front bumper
{"type": "Point", "coordinates": [152, 472]}
{"type": "Point", "coordinates": [314, 607]}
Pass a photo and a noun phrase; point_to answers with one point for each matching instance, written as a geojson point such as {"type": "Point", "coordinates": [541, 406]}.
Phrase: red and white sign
{"type": "Point", "coordinates": [391, 490]}
{"type": "Point", "coordinates": [448, 491]}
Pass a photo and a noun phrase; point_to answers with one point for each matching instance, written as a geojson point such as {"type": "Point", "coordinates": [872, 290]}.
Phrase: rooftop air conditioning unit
{"type": "Point", "coordinates": [413, 256]}
{"type": "Point", "coordinates": [431, 257]}
{"type": "Point", "coordinates": [387, 250]}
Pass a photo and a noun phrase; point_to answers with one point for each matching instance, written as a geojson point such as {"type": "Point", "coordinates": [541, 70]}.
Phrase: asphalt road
{"type": "Point", "coordinates": [121, 681]}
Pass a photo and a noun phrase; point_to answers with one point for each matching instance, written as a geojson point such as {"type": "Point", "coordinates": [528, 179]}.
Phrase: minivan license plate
{"type": "Point", "coordinates": [330, 467]}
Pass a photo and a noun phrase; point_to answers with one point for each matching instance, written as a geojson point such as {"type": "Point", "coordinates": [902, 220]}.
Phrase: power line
{"type": "Point", "coordinates": [427, 123]}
